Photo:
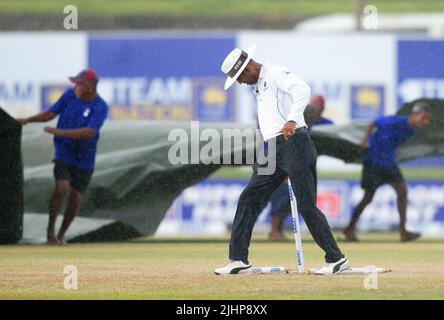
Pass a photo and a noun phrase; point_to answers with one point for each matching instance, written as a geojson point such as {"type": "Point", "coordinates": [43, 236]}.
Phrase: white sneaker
{"type": "Point", "coordinates": [233, 267]}
{"type": "Point", "coordinates": [334, 267]}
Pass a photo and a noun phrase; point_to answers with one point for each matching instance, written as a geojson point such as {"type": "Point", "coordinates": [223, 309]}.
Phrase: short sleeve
{"type": "Point", "coordinates": [327, 121]}
{"type": "Point", "coordinates": [98, 117]}
{"type": "Point", "coordinates": [61, 102]}
{"type": "Point", "coordinates": [389, 120]}
{"type": "Point", "coordinates": [382, 121]}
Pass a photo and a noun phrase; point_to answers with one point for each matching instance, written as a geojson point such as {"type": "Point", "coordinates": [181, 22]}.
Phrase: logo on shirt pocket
{"type": "Point", "coordinates": [86, 112]}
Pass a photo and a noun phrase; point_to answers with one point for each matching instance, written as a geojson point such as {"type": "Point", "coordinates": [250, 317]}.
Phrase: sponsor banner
{"type": "Point", "coordinates": [367, 101]}
{"type": "Point", "coordinates": [178, 77]}
{"type": "Point", "coordinates": [18, 97]}
{"type": "Point", "coordinates": [163, 78]}
{"type": "Point", "coordinates": [209, 207]}
{"type": "Point", "coordinates": [420, 70]}
{"type": "Point", "coordinates": [49, 94]}
{"type": "Point", "coordinates": [211, 101]}
{"type": "Point", "coordinates": [154, 98]}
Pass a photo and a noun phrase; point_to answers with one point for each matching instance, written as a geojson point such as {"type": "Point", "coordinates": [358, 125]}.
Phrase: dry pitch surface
{"type": "Point", "coordinates": [154, 268]}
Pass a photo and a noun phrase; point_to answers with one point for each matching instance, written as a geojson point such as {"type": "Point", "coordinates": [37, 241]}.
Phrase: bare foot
{"type": "Point", "coordinates": [409, 236]}
{"type": "Point", "coordinates": [350, 235]}
{"type": "Point", "coordinates": [276, 236]}
{"type": "Point", "coordinates": [62, 241]}
{"type": "Point", "coordinates": [51, 239]}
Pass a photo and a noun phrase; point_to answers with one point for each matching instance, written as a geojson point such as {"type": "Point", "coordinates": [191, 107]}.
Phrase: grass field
{"type": "Point", "coordinates": [154, 268]}
{"type": "Point", "coordinates": [280, 8]}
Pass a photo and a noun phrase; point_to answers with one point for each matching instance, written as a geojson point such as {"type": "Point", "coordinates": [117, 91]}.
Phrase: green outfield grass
{"type": "Point", "coordinates": [281, 8]}
{"type": "Point", "coordinates": [154, 268]}
{"type": "Point", "coordinates": [433, 173]}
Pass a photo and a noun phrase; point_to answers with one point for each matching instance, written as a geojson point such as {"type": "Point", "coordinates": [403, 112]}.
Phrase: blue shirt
{"type": "Point", "coordinates": [391, 132]}
{"type": "Point", "coordinates": [74, 114]}
{"type": "Point", "coordinates": [320, 122]}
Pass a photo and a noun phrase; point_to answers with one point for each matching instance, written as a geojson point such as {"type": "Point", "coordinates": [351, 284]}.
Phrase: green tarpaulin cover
{"type": "Point", "coordinates": [11, 180]}
{"type": "Point", "coordinates": [134, 182]}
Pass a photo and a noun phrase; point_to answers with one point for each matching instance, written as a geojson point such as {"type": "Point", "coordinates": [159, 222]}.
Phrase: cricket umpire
{"type": "Point", "coordinates": [281, 98]}
{"type": "Point", "coordinates": [82, 113]}
{"type": "Point", "coordinates": [280, 199]}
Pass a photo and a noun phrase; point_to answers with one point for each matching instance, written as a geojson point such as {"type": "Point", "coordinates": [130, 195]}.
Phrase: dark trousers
{"type": "Point", "coordinates": [295, 158]}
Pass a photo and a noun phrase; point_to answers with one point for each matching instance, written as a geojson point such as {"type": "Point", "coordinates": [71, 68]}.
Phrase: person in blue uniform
{"type": "Point", "coordinates": [81, 113]}
{"type": "Point", "coordinates": [317, 103]}
{"type": "Point", "coordinates": [380, 166]}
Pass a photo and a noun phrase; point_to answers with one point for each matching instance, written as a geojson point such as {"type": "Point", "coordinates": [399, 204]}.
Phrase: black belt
{"type": "Point", "coordinates": [280, 138]}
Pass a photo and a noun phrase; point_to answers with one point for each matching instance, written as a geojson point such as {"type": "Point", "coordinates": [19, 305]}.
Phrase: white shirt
{"type": "Point", "coordinates": [281, 96]}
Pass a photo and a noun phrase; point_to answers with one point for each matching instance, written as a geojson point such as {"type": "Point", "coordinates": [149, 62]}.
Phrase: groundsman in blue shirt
{"type": "Point", "coordinates": [380, 164]}
{"type": "Point", "coordinates": [82, 113]}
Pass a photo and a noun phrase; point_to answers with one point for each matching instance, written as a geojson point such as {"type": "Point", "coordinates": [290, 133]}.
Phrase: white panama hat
{"type": "Point", "coordinates": [235, 63]}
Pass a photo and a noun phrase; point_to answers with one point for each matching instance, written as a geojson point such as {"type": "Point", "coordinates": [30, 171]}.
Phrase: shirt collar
{"type": "Point", "coordinates": [261, 76]}
{"type": "Point", "coordinates": [263, 72]}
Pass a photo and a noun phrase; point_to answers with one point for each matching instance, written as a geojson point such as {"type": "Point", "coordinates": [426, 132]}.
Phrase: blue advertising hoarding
{"type": "Point", "coordinates": [367, 101]}
{"type": "Point", "coordinates": [163, 78]}
{"type": "Point", "coordinates": [420, 72]}
{"type": "Point", "coordinates": [211, 205]}
{"type": "Point", "coordinates": [49, 94]}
